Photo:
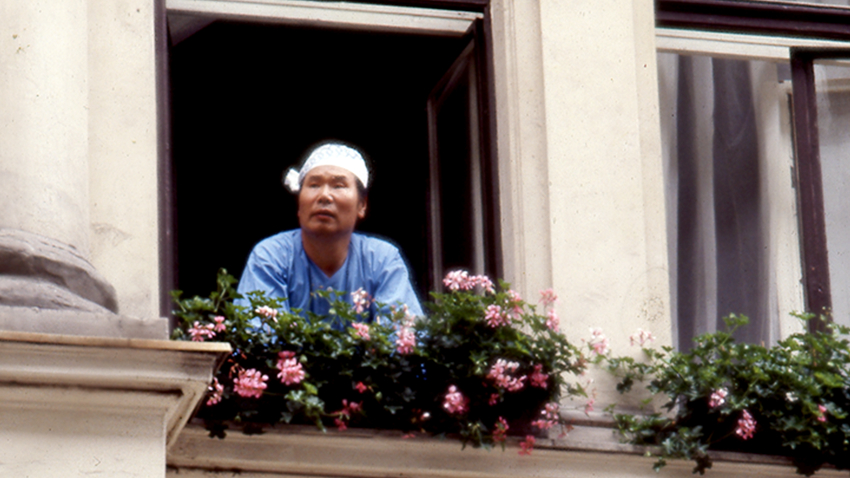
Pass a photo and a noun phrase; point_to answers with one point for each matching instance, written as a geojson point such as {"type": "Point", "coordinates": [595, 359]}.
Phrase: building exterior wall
{"type": "Point", "coordinates": [122, 132]}
{"type": "Point", "coordinates": [581, 187]}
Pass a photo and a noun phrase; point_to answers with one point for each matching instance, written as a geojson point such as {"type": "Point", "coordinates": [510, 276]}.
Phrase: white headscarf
{"type": "Point", "coordinates": [329, 154]}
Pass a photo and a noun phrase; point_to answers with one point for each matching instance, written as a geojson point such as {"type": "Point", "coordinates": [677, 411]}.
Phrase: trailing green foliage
{"type": "Point", "coordinates": [796, 395]}
{"type": "Point", "coordinates": [452, 372]}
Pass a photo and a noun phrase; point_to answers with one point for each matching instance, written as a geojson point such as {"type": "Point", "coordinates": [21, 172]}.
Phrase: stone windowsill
{"type": "Point", "coordinates": [587, 450]}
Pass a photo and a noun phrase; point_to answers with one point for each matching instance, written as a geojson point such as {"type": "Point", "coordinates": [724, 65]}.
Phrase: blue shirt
{"type": "Point", "coordinates": [279, 266]}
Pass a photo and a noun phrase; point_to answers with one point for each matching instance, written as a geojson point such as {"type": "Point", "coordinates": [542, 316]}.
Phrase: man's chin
{"type": "Point", "coordinates": [324, 231]}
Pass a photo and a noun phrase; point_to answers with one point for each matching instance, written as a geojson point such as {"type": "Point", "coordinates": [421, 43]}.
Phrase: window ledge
{"type": "Point", "coordinates": [302, 450]}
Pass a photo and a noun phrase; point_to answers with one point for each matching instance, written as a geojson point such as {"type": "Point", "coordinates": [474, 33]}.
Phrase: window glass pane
{"type": "Point", "coordinates": [728, 153]}
{"type": "Point", "coordinates": [832, 85]}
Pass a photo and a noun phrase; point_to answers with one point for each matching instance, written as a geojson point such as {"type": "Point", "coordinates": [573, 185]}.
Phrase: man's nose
{"type": "Point", "coordinates": [325, 193]}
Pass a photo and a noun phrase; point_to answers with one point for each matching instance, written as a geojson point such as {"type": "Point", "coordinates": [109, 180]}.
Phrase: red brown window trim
{"type": "Point", "coordinates": [756, 17]}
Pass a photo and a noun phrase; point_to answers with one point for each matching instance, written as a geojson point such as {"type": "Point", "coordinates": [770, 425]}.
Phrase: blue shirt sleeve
{"type": "Point", "coordinates": [265, 272]}
{"type": "Point", "coordinates": [392, 283]}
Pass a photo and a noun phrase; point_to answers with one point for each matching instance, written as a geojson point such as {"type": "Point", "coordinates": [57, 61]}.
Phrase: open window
{"type": "Point", "coordinates": [255, 84]}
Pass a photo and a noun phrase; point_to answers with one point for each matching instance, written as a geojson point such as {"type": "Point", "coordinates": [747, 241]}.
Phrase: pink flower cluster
{"type": "Point", "coordinates": [822, 414]}
{"type": "Point", "coordinates": [405, 337]}
{"type": "Point", "coordinates": [454, 401]}
{"type": "Point", "coordinates": [266, 312]}
{"type": "Point", "coordinates": [219, 324]}
{"type": "Point", "coordinates": [361, 387]}
{"type": "Point", "coordinates": [746, 426]}
{"type": "Point", "coordinates": [526, 445]}
{"type": "Point", "coordinates": [641, 337]}
{"type": "Point", "coordinates": [515, 301]}
{"type": "Point", "coordinates": [552, 320]}
{"type": "Point", "coordinates": [550, 417]}
{"type": "Point", "coordinates": [362, 330]}
{"type": "Point", "coordinates": [717, 398]}
{"type": "Point", "coordinates": [538, 378]}
{"type": "Point", "coordinates": [361, 300]}
{"type": "Point", "coordinates": [344, 415]}
{"type": "Point", "coordinates": [500, 373]}
{"type": "Point", "coordinates": [496, 317]}
{"type": "Point", "coordinates": [500, 430]}
{"type": "Point", "coordinates": [250, 383]}
{"type": "Point", "coordinates": [461, 280]}
{"type": "Point", "coordinates": [291, 371]}
{"type": "Point", "coordinates": [598, 342]}
{"type": "Point", "coordinates": [588, 407]}
{"type": "Point", "coordinates": [547, 300]}
{"type": "Point", "coordinates": [548, 297]}
{"type": "Point", "coordinates": [199, 332]}
{"type": "Point", "coordinates": [217, 391]}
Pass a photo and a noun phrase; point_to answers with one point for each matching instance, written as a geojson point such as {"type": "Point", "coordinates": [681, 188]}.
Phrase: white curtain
{"type": "Point", "coordinates": [833, 102]}
{"type": "Point", "coordinates": [730, 202]}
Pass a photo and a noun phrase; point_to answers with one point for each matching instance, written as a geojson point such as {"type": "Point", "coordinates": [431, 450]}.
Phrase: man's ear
{"type": "Point", "coordinates": [361, 209]}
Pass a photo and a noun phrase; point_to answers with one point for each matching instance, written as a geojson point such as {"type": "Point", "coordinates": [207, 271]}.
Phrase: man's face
{"type": "Point", "coordinates": [329, 203]}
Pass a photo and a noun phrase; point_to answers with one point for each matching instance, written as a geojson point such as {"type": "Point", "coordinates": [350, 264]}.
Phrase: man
{"type": "Point", "coordinates": [326, 252]}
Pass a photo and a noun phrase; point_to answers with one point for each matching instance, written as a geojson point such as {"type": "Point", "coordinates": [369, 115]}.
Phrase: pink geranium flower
{"type": "Point", "coordinates": [495, 316]}
{"type": "Point", "coordinates": [550, 416]}
{"type": "Point", "coordinates": [199, 332]}
{"type": "Point", "coordinates": [588, 407]}
{"type": "Point", "coordinates": [822, 415]}
{"type": "Point", "coordinates": [485, 283]}
{"type": "Point", "coordinates": [500, 373]}
{"type": "Point", "coordinates": [406, 337]}
{"type": "Point", "coordinates": [746, 426]}
{"type": "Point", "coordinates": [552, 320]}
{"type": "Point", "coordinates": [291, 371]}
{"type": "Point", "coordinates": [454, 401]}
{"type": "Point", "coordinates": [250, 383]}
{"type": "Point", "coordinates": [361, 300]}
{"type": "Point", "coordinates": [217, 391]}
{"type": "Point", "coordinates": [548, 297]}
{"type": "Point", "coordinates": [598, 342]}
{"type": "Point", "coordinates": [362, 330]}
{"type": "Point", "coordinates": [538, 378]}
{"type": "Point", "coordinates": [641, 337]}
{"type": "Point", "coordinates": [717, 398]}
{"type": "Point", "coordinates": [266, 312]}
{"type": "Point", "coordinates": [219, 324]}
{"type": "Point", "coordinates": [458, 280]}
{"type": "Point", "coordinates": [500, 430]}
{"type": "Point", "coordinates": [515, 302]}
{"type": "Point", "coordinates": [360, 387]}
{"type": "Point", "coordinates": [526, 445]}
{"type": "Point", "coordinates": [405, 341]}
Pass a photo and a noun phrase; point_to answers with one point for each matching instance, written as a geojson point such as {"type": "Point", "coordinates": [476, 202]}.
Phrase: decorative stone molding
{"type": "Point", "coordinates": [36, 271]}
{"type": "Point", "coordinates": [73, 406]}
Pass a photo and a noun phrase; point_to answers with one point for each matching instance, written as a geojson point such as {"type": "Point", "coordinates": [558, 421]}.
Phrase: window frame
{"type": "Point", "coordinates": [476, 11]}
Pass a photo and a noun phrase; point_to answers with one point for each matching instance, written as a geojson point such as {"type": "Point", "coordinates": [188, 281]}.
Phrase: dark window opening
{"type": "Point", "coordinates": [248, 99]}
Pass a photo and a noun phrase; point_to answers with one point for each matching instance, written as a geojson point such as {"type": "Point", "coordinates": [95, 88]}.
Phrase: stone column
{"type": "Point", "coordinates": [44, 172]}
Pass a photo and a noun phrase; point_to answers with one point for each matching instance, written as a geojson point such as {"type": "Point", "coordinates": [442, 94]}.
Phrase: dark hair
{"type": "Point", "coordinates": [362, 192]}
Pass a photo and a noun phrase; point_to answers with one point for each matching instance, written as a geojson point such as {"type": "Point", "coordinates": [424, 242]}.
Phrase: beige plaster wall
{"type": "Point", "coordinates": [122, 133]}
{"type": "Point", "coordinates": [605, 184]}
{"type": "Point", "coordinates": [43, 120]}
{"type": "Point", "coordinates": [522, 146]}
